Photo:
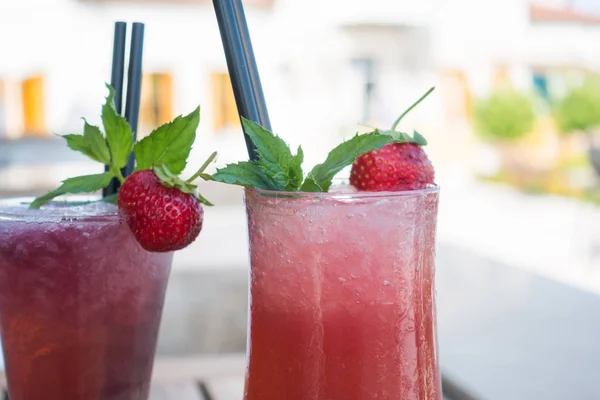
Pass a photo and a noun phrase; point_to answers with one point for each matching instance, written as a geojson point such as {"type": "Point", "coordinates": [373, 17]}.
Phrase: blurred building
{"type": "Point", "coordinates": [326, 66]}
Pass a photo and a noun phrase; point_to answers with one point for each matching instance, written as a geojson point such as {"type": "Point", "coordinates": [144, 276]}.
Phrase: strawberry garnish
{"type": "Point", "coordinates": [161, 218]}
{"type": "Point", "coordinates": [381, 160]}
{"type": "Point", "coordinates": [162, 210]}
{"type": "Point", "coordinates": [399, 165]}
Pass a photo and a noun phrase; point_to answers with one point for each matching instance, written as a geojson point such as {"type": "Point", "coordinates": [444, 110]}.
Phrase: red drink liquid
{"type": "Point", "coordinates": [80, 304]}
{"type": "Point", "coordinates": [342, 297]}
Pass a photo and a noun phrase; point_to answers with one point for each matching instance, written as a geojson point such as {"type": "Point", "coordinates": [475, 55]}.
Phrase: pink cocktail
{"type": "Point", "coordinates": [80, 303]}
{"type": "Point", "coordinates": [342, 296]}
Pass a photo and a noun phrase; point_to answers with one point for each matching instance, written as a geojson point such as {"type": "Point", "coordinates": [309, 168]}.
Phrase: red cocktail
{"type": "Point", "coordinates": [342, 296]}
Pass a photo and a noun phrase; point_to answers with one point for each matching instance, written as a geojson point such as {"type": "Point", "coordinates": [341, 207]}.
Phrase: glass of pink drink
{"type": "Point", "coordinates": [342, 296]}
{"type": "Point", "coordinates": [80, 303]}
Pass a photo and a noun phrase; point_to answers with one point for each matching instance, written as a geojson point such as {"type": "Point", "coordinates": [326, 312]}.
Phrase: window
{"type": "Point", "coordinates": [501, 76]}
{"type": "Point", "coordinates": [457, 95]}
{"type": "Point", "coordinates": [225, 111]}
{"type": "Point", "coordinates": [2, 109]}
{"type": "Point", "coordinates": [540, 85]}
{"type": "Point", "coordinates": [32, 96]}
{"type": "Point", "coordinates": [156, 103]}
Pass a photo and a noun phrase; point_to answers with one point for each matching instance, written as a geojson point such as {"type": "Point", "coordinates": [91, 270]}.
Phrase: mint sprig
{"type": "Point", "coordinates": [118, 134]}
{"type": "Point", "coordinates": [169, 144]}
{"type": "Point", "coordinates": [165, 151]}
{"type": "Point", "coordinates": [275, 158]}
{"type": "Point", "coordinates": [79, 184]}
{"type": "Point", "coordinates": [277, 169]}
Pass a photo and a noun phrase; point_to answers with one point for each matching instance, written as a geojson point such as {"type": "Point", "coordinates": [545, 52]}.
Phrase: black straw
{"type": "Point", "coordinates": [134, 86]}
{"type": "Point", "coordinates": [116, 81]}
{"type": "Point", "coordinates": [118, 64]}
{"type": "Point", "coordinates": [241, 63]}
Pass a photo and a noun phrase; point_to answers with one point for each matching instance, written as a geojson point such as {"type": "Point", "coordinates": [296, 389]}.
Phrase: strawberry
{"type": "Point", "coordinates": [396, 166]}
{"type": "Point", "coordinates": [399, 165]}
{"type": "Point", "coordinates": [161, 218]}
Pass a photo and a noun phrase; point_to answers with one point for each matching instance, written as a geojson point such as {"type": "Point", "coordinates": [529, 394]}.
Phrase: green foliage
{"type": "Point", "coordinates": [579, 110]}
{"type": "Point", "coordinates": [506, 115]}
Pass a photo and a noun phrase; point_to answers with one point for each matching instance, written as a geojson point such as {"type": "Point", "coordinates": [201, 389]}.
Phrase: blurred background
{"type": "Point", "coordinates": [512, 130]}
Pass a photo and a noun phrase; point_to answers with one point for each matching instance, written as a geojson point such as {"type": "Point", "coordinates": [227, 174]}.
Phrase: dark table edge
{"type": "Point", "coordinates": [452, 390]}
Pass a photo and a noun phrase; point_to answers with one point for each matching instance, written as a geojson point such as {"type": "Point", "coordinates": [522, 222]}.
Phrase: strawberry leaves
{"type": "Point", "coordinates": [401, 137]}
{"type": "Point", "coordinates": [170, 179]}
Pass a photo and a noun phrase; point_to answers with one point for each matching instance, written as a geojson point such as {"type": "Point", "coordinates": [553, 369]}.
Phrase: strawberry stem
{"type": "Point", "coordinates": [411, 107]}
{"type": "Point", "coordinates": [203, 167]}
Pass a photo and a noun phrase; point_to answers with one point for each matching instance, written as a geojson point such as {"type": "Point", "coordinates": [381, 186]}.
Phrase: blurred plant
{"type": "Point", "coordinates": [579, 110]}
{"type": "Point", "coordinates": [505, 116]}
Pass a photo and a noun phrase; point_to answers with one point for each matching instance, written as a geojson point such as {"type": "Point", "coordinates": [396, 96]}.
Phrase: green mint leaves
{"type": "Point", "coordinates": [80, 184]}
{"type": "Point", "coordinates": [169, 145]}
{"type": "Point", "coordinates": [321, 176]}
{"type": "Point", "coordinates": [278, 169]}
{"type": "Point", "coordinates": [118, 133]}
{"type": "Point", "coordinates": [246, 173]}
{"type": "Point", "coordinates": [91, 143]}
{"type": "Point", "coordinates": [165, 151]}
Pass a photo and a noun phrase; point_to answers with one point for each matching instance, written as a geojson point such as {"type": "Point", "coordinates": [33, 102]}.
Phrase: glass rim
{"type": "Point", "coordinates": [16, 209]}
{"type": "Point", "coordinates": [276, 194]}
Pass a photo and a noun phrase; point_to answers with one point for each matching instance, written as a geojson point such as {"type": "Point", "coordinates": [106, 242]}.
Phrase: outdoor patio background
{"type": "Point", "coordinates": [519, 224]}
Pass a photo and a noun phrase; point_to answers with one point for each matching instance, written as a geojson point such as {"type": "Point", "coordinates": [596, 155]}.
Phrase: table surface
{"type": "Point", "coordinates": [219, 377]}
{"type": "Point", "coordinates": [508, 334]}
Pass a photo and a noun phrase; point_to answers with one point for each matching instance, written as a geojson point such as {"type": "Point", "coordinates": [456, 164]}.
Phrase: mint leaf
{"type": "Point", "coordinates": [80, 184]}
{"type": "Point", "coordinates": [245, 173]}
{"type": "Point", "coordinates": [118, 132]}
{"type": "Point", "coordinates": [274, 156]}
{"type": "Point", "coordinates": [296, 174]}
{"type": "Point", "coordinates": [91, 143]}
{"type": "Point", "coordinates": [96, 143]}
{"type": "Point", "coordinates": [310, 185]}
{"type": "Point", "coordinates": [78, 143]}
{"type": "Point", "coordinates": [321, 176]}
{"type": "Point", "coordinates": [169, 144]}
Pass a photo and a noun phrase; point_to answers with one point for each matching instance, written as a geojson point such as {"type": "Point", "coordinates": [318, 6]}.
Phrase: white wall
{"type": "Point", "coordinates": [304, 50]}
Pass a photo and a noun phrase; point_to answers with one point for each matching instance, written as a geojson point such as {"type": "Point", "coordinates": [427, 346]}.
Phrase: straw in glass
{"type": "Point", "coordinates": [134, 86]}
{"type": "Point", "coordinates": [116, 81]}
{"type": "Point", "coordinates": [241, 64]}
